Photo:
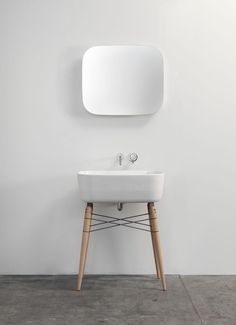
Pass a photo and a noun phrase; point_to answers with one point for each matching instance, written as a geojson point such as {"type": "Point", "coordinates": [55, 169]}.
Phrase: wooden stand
{"type": "Point", "coordinates": [84, 243]}
{"type": "Point", "coordinates": [153, 228]}
{"type": "Point", "coordinates": [156, 243]}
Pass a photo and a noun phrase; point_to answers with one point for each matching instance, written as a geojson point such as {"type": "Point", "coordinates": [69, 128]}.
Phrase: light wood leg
{"type": "Point", "coordinates": [154, 248]}
{"type": "Point", "coordinates": [156, 242]}
{"type": "Point", "coordinates": [84, 243]}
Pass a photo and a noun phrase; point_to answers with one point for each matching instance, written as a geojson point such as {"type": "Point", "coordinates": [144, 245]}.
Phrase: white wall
{"type": "Point", "coordinates": [47, 136]}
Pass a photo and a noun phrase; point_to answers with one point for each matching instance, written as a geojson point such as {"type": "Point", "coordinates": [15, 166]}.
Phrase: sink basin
{"type": "Point", "coordinates": [120, 186]}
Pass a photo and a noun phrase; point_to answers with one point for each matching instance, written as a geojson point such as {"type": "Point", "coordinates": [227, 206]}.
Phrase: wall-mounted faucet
{"type": "Point", "coordinates": [133, 157]}
{"type": "Point", "coordinates": [120, 157]}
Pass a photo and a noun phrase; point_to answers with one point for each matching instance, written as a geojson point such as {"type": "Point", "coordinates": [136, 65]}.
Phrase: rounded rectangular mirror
{"type": "Point", "coordinates": [122, 80]}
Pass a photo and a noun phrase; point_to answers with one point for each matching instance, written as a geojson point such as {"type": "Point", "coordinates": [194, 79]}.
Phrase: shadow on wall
{"type": "Point", "coordinates": [41, 236]}
{"type": "Point", "coordinates": [70, 95]}
{"type": "Point", "coordinates": [44, 236]}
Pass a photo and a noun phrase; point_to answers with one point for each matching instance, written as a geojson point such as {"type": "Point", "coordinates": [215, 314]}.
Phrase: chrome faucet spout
{"type": "Point", "coordinates": [120, 158]}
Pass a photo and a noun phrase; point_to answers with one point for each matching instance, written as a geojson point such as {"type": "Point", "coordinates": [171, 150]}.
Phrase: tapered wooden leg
{"type": "Point", "coordinates": [156, 242]}
{"type": "Point", "coordinates": [84, 243]}
{"type": "Point", "coordinates": [154, 247]}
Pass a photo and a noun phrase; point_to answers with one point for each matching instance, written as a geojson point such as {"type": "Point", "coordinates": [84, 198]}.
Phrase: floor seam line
{"type": "Point", "coordinates": [190, 298]}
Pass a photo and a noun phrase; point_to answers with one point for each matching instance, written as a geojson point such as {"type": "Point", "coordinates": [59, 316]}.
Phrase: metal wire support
{"type": "Point", "coordinates": [105, 222]}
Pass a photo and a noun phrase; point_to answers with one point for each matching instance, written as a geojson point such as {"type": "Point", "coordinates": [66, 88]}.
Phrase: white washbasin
{"type": "Point", "coordinates": [120, 186]}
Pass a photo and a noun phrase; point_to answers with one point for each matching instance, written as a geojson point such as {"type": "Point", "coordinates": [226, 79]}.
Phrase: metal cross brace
{"type": "Point", "coordinates": [115, 222]}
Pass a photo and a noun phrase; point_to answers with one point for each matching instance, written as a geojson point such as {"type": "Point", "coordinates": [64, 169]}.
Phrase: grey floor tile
{"type": "Point", "coordinates": [4, 312]}
{"type": "Point", "coordinates": [214, 298]}
{"type": "Point", "coordinates": [230, 281]}
{"type": "Point", "coordinates": [123, 300]}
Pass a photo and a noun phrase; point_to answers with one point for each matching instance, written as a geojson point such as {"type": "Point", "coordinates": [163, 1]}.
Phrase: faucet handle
{"type": "Point", "coordinates": [133, 157]}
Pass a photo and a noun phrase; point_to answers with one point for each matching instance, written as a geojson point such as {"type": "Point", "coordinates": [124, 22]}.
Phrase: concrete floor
{"type": "Point", "coordinates": [130, 300]}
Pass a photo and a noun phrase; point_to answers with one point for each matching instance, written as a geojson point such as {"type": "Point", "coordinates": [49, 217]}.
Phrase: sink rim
{"type": "Point", "coordinates": [125, 172]}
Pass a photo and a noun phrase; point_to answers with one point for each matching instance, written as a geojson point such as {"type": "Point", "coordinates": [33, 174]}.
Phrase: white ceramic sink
{"type": "Point", "coordinates": [120, 186]}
